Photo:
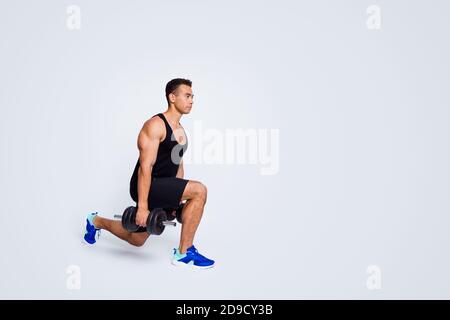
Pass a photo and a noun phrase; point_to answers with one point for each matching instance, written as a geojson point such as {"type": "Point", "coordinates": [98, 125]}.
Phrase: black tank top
{"type": "Point", "coordinates": [164, 166]}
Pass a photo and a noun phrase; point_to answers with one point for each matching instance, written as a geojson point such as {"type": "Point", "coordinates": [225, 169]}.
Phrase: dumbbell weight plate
{"type": "Point", "coordinates": [129, 219]}
{"type": "Point", "coordinates": [170, 216]}
{"type": "Point", "coordinates": [155, 222]}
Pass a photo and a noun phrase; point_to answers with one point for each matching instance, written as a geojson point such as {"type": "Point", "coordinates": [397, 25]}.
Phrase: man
{"type": "Point", "coordinates": [158, 180]}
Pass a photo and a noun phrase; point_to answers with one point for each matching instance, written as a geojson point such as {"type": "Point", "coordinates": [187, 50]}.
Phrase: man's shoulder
{"type": "Point", "coordinates": [154, 122]}
{"type": "Point", "coordinates": [154, 125]}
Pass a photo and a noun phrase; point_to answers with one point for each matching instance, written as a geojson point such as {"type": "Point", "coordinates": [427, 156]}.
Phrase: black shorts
{"type": "Point", "coordinates": [164, 192]}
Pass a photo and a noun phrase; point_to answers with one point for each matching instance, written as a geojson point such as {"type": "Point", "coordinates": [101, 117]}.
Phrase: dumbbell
{"type": "Point", "coordinates": [178, 212]}
{"type": "Point", "coordinates": [156, 221]}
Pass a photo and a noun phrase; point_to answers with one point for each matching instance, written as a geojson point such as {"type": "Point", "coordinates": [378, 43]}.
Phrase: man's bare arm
{"type": "Point", "coordinates": [148, 142]}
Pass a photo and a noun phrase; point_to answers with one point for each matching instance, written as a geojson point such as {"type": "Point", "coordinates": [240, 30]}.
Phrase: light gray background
{"type": "Point", "coordinates": [364, 146]}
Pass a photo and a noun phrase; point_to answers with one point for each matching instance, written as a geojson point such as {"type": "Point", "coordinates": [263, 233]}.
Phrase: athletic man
{"type": "Point", "coordinates": [158, 180]}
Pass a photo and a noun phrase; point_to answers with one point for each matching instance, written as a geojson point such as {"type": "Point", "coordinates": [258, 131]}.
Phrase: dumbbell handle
{"type": "Point", "coordinates": [166, 223]}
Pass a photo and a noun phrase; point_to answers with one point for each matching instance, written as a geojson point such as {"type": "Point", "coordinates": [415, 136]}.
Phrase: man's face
{"type": "Point", "coordinates": [183, 99]}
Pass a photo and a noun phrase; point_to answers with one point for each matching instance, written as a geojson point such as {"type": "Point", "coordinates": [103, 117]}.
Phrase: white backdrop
{"type": "Point", "coordinates": [357, 207]}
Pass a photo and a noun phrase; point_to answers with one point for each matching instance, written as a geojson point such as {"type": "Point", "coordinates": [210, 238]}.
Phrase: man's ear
{"type": "Point", "coordinates": [172, 97]}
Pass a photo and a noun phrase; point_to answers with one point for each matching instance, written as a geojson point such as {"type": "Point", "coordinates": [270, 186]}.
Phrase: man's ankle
{"type": "Point", "coordinates": [96, 221]}
{"type": "Point", "coordinates": [182, 249]}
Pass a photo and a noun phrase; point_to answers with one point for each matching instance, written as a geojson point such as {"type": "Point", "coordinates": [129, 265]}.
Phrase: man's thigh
{"type": "Point", "coordinates": [166, 192]}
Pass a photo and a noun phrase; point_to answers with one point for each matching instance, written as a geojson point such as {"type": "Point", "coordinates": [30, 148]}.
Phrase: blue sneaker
{"type": "Point", "coordinates": [192, 258]}
{"type": "Point", "coordinates": [92, 233]}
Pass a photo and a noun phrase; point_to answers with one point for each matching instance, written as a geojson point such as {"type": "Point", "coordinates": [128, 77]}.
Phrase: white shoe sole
{"type": "Point", "coordinates": [87, 244]}
{"type": "Point", "coordinates": [192, 266]}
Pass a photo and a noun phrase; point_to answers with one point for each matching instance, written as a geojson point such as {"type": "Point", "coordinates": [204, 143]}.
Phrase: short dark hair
{"type": "Point", "coordinates": [173, 85]}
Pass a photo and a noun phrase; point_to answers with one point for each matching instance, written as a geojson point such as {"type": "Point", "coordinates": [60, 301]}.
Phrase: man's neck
{"type": "Point", "coordinates": [172, 115]}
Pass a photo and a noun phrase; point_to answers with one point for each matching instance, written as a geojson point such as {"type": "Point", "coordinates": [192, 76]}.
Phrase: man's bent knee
{"type": "Point", "coordinates": [138, 240]}
{"type": "Point", "coordinates": [138, 243]}
{"type": "Point", "coordinates": [195, 190]}
{"type": "Point", "coordinates": [202, 191]}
